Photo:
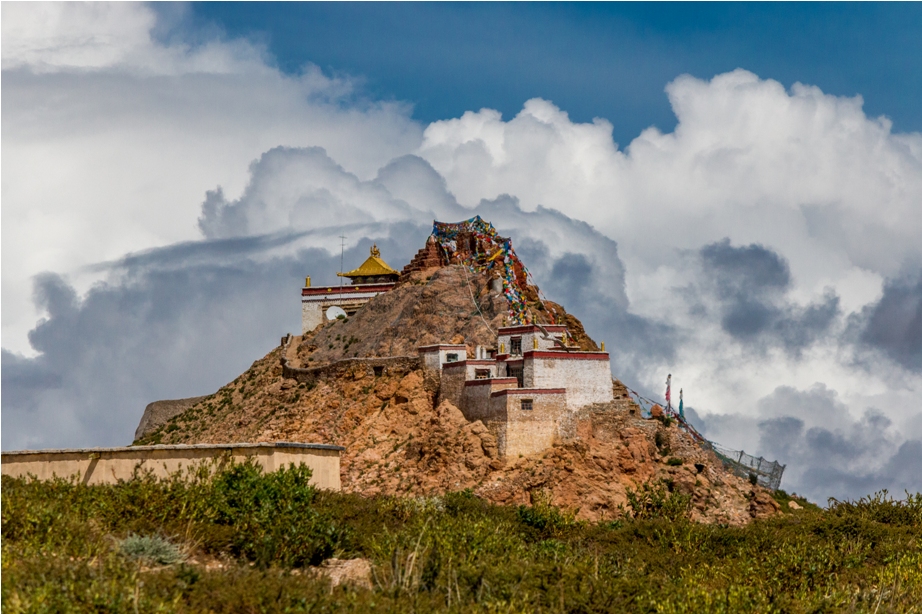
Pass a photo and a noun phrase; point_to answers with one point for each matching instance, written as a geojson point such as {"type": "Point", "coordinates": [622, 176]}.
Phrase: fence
{"type": "Point", "coordinates": [767, 473]}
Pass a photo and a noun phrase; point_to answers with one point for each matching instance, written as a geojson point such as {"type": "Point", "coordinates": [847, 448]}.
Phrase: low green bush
{"type": "Point", "coordinates": [68, 547]}
{"type": "Point", "coordinates": [151, 549]}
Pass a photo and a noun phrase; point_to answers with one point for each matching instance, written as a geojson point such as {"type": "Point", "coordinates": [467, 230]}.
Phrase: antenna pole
{"type": "Point", "coordinates": [342, 251]}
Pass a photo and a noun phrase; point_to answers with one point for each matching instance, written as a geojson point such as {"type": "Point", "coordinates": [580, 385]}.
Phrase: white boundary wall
{"type": "Point", "coordinates": [109, 465]}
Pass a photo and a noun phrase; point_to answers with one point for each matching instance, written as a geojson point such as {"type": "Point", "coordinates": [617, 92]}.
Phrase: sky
{"type": "Point", "coordinates": [728, 193]}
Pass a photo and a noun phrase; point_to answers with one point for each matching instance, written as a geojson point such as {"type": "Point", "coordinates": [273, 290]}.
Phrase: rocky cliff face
{"type": "Point", "coordinates": [401, 440]}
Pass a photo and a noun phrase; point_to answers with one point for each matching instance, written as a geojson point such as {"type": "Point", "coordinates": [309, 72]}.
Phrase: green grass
{"type": "Point", "coordinates": [64, 550]}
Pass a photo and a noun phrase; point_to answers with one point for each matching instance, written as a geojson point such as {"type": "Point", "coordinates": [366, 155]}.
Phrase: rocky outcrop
{"type": "Point", "coordinates": [337, 385]}
{"type": "Point", "coordinates": [159, 413]}
{"type": "Point", "coordinates": [399, 442]}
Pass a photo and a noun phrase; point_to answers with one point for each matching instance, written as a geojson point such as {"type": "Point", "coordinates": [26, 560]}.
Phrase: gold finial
{"type": "Point", "coordinates": [603, 346]}
{"type": "Point", "coordinates": [307, 282]}
{"type": "Point", "coordinates": [502, 348]}
{"type": "Point", "coordinates": [536, 342]}
{"type": "Point", "coordinates": [375, 252]}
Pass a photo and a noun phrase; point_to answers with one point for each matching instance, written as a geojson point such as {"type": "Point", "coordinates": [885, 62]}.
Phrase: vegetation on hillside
{"type": "Point", "coordinates": [238, 540]}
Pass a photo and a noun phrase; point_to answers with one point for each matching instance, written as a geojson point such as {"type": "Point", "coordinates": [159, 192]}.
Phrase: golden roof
{"type": "Point", "coordinates": [372, 267]}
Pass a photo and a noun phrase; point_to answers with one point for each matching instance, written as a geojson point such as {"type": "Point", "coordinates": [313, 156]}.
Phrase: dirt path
{"type": "Point", "coordinates": [291, 353]}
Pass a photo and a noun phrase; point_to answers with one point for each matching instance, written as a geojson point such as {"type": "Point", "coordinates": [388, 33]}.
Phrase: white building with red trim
{"type": "Point", "coordinates": [527, 389]}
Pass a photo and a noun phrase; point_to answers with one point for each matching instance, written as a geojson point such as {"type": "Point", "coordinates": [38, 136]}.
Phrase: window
{"type": "Point", "coordinates": [527, 405]}
{"type": "Point", "coordinates": [379, 371]}
{"type": "Point", "coordinates": [517, 372]}
{"type": "Point", "coordinates": [451, 358]}
{"type": "Point", "coordinates": [515, 346]}
{"type": "Point", "coordinates": [481, 374]}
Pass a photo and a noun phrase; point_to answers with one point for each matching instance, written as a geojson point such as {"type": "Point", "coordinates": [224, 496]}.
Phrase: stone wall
{"type": "Point", "coordinates": [451, 383]}
{"type": "Point", "coordinates": [476, 401]}
{"type": "Point", "coordinates": [528, 334]}
{"type": "Point", "coordinates": [311, 316]}
{"type": "Point", "coordinates": [527, 432]}
{"type": "Point", "coordinates": [585, 375]}
{"type": "Point", "coordinates": [434, 356]}
{"type": "Point", "coordinates": [109, 465]}
{"type": "Point", "coordinates": [374, 366]}
{"type": "Point", "coordinates": [480, 365]}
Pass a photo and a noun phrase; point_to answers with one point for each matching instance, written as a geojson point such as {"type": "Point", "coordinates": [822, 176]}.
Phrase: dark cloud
{"type": "Point", "coordinates": [584, 288]}
{"type": "Point", "coordinates": [171, 323]}
{"type": "Point", "coordinates": [750, 269]}
{"type": "Point", "coordinates": [894, 324]}
{"type": "Point", "coordinates": [829, 453]}
{"type": "Point", "coordinates": [750, 284]}
{"type": "Point", "coordinates": [183, 320]}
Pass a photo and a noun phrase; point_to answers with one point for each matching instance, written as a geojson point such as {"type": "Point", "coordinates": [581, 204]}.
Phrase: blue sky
{"type": "Point", "coordinates": [593, 60]}
{"type": "Point", "coordinates": [173, 171]}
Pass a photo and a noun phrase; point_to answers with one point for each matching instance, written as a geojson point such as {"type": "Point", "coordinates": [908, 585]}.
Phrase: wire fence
{"type": "Point", "coordinates": [756, 469]}
{"type": "Point", "coordinates": [766, 473]}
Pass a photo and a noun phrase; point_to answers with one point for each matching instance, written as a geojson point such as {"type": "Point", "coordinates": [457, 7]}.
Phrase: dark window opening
{"type": "Point", "coordinates": [515, 346]}
{"type": "Point", "coordinates": [379, 371]}
{"type": "Point", "coordinates": [481, 374]}
{"type": "Point", "coordinates": [451, 358]}
{"type": "Point", "coordinates": [518, 373]}
{"type": "Point", "coordinates": [527, 405]}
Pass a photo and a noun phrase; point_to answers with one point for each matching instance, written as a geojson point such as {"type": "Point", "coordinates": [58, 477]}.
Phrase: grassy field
{"type": "Point", "coordinates": [238, 541]}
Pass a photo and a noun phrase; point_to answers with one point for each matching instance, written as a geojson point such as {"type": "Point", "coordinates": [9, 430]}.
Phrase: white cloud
{"type": "Point", "coordinates": [111, 138]}
{"type": "Point", "coordinates": [803, 174]}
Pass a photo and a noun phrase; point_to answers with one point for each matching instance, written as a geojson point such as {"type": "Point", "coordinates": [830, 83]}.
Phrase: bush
{"type": "Point", "coordinates": [655, 500]}
{"type": "Point", "coordinates": [152, 549]}
{"type": "Point", "coordinates": [233, 509]}
{"type": "Point", "coordinates": [70, 547]}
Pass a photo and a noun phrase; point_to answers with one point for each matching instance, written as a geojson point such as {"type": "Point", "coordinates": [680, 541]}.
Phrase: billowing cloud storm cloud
{"type": "Point", "coordinates": [765, 252]}
{"type": "Point", "coordinates": [182, 320]}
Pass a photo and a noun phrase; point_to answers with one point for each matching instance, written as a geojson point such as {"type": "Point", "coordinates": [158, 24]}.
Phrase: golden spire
{"type": "Point", "coordinates": [373, 267]}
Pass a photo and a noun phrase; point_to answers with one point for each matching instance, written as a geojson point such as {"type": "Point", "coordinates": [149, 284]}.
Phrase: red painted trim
{"type": "Point", "coordinates": [529, 328]}
{"type": "Point", "coordinates": [317, 290]}
{"type": "Point", "coordinates": [564, 355]}
{"type": "Point", "coordinates": [528, 391]}
{"type": "Point", "coordinates": [442, 346]}
{"type": "Point", "coordinates": [452, 365]}
{"type": "Point", "coordinates": [495, 380]}
{"type": "Point", "coordinates": [480, 362]}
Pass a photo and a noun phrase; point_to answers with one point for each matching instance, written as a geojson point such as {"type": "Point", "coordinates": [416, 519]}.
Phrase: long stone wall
{"type": "Point", "coordinates": [375, 366]}
{"type": "Point", "coordinates": [109, 465]}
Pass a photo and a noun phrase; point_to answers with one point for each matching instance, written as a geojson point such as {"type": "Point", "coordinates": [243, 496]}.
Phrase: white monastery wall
{"type": "Point", "coordinates": [585, 375]}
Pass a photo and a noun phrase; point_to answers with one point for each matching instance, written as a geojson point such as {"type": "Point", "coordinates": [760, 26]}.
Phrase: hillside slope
{"type": "Point", "coordinates": [400, 439]}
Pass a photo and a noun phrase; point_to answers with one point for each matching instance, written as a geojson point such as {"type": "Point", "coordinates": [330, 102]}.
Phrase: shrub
{"type": "Point", "coordinates": [152, 548]}
{"type": "Point", "coordinates": [449, 553]}
{"type": "Point", "coordinates": [544, 517]}
{"type": "Point", "coordinates": [655, 500]}
{"type": "Point", "coordinates": [674, 462]}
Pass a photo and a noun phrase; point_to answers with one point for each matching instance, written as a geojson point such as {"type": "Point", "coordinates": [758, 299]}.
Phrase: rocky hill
{"type": "Point", "coordinates": [357, 392]}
